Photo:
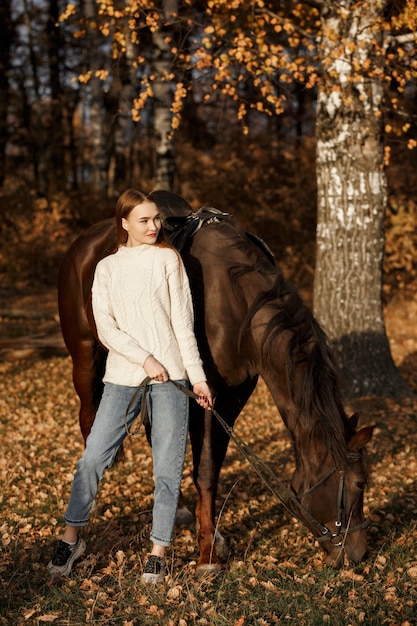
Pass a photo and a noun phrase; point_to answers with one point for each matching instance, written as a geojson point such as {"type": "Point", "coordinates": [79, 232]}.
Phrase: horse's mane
{"type": "Point", "coordinates": [319, 396]}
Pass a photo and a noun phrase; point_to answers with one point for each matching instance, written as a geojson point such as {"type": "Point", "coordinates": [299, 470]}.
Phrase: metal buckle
{"type": "Point", "coordinates": [338, 536]}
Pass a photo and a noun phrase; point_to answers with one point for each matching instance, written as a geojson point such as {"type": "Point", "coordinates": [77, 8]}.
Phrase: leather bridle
{"type": "Point", "coordinates": [342, 525]}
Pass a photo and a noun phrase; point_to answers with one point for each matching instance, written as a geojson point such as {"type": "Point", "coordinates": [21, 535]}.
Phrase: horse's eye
{"type": "Point", "coordinates": [360, 484]}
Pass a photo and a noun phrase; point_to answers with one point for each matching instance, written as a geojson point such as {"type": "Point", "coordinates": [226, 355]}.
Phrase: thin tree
{"type": "Point", "coordinates": [55, 147]}
{"type": "Point", "coordinates": [99, 159]}
{"type": "Point", "coordinates": [6, 37]}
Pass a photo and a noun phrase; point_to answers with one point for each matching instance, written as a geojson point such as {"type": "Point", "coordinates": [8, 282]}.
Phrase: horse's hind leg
{"type": "Point", "coordinates": [87, 369]}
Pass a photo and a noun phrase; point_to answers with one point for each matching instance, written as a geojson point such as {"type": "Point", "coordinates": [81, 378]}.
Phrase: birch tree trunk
{"type": "Point", "coordinates": [163, 90]}
{"type": "Point", "coordinates": [352, 199]}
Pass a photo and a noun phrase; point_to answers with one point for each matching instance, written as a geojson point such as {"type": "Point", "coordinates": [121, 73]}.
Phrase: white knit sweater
{"type": "Point", "coordinates": [142, 306]}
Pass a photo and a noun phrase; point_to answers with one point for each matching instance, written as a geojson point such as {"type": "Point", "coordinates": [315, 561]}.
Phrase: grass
{"type": "Point", "coordinates": [274, 573]}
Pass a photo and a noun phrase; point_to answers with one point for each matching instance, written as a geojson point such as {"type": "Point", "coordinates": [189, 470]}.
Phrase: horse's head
{"type": "Point", "coordinates": [332, 507]}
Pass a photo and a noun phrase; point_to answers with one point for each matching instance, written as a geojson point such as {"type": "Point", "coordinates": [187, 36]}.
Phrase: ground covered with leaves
{"type": "Point", "coordinates": [274, 573]}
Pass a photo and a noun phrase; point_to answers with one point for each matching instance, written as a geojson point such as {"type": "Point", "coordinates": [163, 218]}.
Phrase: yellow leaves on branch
{"type": "Point", "coordinates": [407, 18]}
{"type": "Point", "coordinates": [101, 74]}
{"type": "Point", "coordinates": [261, 46]}
{"type": "Point", "coordinates": [152, 21]}
{"type": "Point", "coordinates": [140, 101]}
{"type": "Point", "coordinates": [85, 78]}
{"type": "Point", "coordinates": [180, 94]}
{"type": "Point", "coordinates": [70, 9]}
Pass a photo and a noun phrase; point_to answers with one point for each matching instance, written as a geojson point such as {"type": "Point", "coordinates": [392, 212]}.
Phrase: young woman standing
{"type": "Point", "coordinates": [144, 316]}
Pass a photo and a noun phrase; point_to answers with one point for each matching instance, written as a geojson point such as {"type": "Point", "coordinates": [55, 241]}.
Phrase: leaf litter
{"type": "Point", "coordinates": [274, 572]}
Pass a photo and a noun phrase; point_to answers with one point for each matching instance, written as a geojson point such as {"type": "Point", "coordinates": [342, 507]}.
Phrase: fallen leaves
{"type": "Point", "coordinates": [274, 573]}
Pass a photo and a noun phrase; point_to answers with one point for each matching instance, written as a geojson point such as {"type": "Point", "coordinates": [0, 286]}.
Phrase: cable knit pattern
{"type": "Point", "coordinates": [142, 306]}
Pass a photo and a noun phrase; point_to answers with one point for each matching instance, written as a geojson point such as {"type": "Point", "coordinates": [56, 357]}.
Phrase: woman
{"type": "Point", "coordinates": [143, 312]}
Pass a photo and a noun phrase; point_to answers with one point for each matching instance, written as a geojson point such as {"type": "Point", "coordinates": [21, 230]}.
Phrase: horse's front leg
{"type": "Point", "coordinates": [209, 449]}
{"type": "Point", "coordinates": [206, 477]}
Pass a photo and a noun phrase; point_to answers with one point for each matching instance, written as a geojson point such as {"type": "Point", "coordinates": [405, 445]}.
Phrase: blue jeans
{"type": "Point", "coordinates": [168, 413]}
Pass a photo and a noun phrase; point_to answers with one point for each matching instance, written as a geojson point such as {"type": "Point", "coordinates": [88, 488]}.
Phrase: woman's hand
{"type": "Point", "coordinates": [205, 398]}
{"type": "Point", "coordinates": [155, 370]}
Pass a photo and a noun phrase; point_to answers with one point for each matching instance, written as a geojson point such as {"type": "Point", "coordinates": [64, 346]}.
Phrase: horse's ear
{"type": "Point", "coordinates": [353, 421]}
{"type": "Point", "coordinates": [361, 438]}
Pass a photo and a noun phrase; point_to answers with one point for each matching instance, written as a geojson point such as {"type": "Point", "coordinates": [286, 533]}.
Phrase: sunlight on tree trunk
{"type": "Point", "coordinates": [351, 202]}
{"type": "Point", "coordinates": [163, 90]}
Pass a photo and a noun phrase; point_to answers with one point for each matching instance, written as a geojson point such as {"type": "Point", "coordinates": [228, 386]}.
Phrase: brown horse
{"type": "Point", "coordinates": [249, 322]}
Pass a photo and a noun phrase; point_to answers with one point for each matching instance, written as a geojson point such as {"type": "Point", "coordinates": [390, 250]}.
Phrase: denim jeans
{"type": "Point", "coordinates": [168, 414]}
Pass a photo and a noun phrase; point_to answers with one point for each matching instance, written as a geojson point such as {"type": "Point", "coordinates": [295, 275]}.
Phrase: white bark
{"type": "Point", "coordinates": [351, 186]}
{"type": "Point", "coordinates": [163, 91]}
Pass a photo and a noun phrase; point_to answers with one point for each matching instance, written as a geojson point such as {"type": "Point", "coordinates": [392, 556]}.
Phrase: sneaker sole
{"type": "Point", "coordinates": [153, 579]}
{"type": "Point", "coordinates": [65, 570]}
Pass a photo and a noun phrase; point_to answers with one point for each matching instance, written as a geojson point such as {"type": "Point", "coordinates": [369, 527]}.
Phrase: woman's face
{"type": "Point", "coordinates": [142, 224]}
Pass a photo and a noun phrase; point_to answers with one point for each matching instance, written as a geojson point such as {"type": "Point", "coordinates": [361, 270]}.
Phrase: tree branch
{"type": "Point", "coordinates": [406, 38]}
{"type": "Point", "coordinates": [297, 28]}
{"type": "Point", "coordinates": [317, 4]}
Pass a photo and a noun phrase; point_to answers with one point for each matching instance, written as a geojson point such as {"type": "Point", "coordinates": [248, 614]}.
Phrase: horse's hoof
{"type": "Point", "coordinates": [184, 517]}
{"type": "Point", "coordinates": [208, 569]}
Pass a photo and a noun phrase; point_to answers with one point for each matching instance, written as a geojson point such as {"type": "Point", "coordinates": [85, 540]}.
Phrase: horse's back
{"type": "Point", "coordinates": [76, 277]}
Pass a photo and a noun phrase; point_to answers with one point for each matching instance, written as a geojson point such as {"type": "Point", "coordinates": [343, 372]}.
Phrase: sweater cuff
{"type": "Point", "coordinates": [196, 375]}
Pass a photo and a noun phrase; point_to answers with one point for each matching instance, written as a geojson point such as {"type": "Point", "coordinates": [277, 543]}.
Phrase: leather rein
{"type": "Point", "coordinates": [290, 500]}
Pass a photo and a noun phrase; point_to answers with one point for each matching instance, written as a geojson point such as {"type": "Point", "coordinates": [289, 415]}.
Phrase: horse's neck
{"type": "Point", "coordinates": [312, 454]}
{"type": "Point", "coordinates": [313, 458]}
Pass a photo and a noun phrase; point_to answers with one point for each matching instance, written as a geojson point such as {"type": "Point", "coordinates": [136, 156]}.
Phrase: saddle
{"type": "Point", "coordinates": [180, 229]}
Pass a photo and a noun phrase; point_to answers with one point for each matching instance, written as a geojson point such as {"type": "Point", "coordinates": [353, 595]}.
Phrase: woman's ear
{"type": "Point", "coordinates": [125, 224]}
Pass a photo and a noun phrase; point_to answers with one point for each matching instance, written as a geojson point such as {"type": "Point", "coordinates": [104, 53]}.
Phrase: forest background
{"type": "Point", "coordinates": [297, 117]}
{"type": "Point", "coordinates": [225, 103]}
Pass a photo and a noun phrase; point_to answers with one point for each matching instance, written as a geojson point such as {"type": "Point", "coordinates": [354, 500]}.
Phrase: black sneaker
{"type": "Point", "coordinates": [155, 570]}
{"type": "Point", "coordinates": [64, 556]}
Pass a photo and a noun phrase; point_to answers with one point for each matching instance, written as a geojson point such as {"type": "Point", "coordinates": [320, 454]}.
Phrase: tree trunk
{"type": "Point", "coordinates": [37, 129]}
{"type": "Point", "coordinates": [120, 99]}
{"type": "Point", "coordinates": [351, 187]}
{"type": "Point", "coordinates": [98, 132]}
{"type": "Point", "coordinates": [56, 142]}
{"type": "Point", "coordinates": [6, 36]}
{"type": "Point", "coordinates": [163, 89]}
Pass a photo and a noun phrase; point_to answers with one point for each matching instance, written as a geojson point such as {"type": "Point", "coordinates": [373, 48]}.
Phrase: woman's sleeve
{"type": "Point", "coordinates": [182, 321]}
{"type": "Point", "coordinates": [110, 335]}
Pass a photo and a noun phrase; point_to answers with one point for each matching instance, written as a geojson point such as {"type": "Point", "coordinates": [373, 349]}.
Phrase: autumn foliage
{"type": "Point", "coordinates": [274, 572]}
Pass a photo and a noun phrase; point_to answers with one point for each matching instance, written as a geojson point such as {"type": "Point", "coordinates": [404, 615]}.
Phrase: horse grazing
{"type": "Point", "coordinates": [249, 322]}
